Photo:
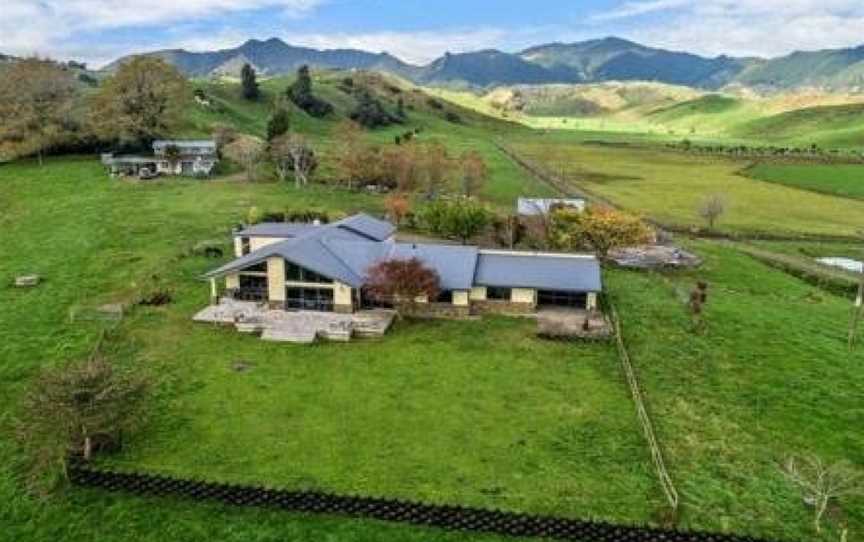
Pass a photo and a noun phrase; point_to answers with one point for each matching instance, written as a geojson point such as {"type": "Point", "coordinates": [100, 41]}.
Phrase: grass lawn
{"type": "Point", "coordinates": [839, 180]}
{"type": "Point", "coordinates": [771, 376]}
{"type": "Point", "coordinates": [670, 187]}
{"type": "Point", "coordinates": [497, 426]}
{"type": "Point", "coordinates": [478, 413]}
{"type": "Point", "coordinates": [466, 412]}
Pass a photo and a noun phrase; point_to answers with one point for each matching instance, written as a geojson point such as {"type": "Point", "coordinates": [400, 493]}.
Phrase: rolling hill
{"type": "Point", "coordinates": [615, 59]}
{"type": "Point", "coordinates": [593, 61]}
{"type": "Point", "coordinates": [275, 57]}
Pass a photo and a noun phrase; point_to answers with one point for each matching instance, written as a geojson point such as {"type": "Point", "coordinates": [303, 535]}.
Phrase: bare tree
{"type": "Point", "coordinates": [246, 151]}
{"type": "Point", "coordinates": [36, 98]}
{"type": "Point", "coordinates": [303, 158]}
{"type": "Point", "coordinates": [293, 153]}
{"type": "Point", "coordinates": [820, 483]}
{"type": "Point", "coordinates": [473, 173]}
{"type": "Point", "coordinates": [712, 209]}
{"type": "Point", "coordinates": [78, 409]}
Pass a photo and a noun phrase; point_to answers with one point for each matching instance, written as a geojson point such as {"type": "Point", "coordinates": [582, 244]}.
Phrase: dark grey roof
{"type": "Point", "coordinates": [273, 229]}
{"type": "Point", "coordinates": [345, 251]}
{"type": "Point", "coordinates": [185, 143]}
{"type": "Point", "coordinates": [454, 264]}
{"type": "Point", "coordinates": [374, 229]}
{"type": "Point", "coordinates": [564, 272]}
{"type": "Point", "coordinates": [130, 159]}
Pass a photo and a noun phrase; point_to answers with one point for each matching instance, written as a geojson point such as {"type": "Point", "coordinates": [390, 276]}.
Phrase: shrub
{"type": "Point", "coordinates": [598, 228]}
{"type": "Point", "coordinates": [460, 217]}
{"type": "Point", "coordinates": [370, 113]}
{"type": "Point", "coordinates": [402, 282]}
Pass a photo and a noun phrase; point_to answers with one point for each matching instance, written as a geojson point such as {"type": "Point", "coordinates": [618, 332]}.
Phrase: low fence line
{"type": "Point", "coordinates": [454, 518]}
{"type": "Point", "coordinates": [642, 413]}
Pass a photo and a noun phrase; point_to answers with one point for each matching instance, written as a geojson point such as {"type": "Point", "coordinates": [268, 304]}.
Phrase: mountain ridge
{"type": "Point", "coordinates": [591, 61]}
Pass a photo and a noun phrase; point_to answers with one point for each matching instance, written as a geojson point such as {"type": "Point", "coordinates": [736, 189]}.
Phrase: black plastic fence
{"type": "Point", "coordinates": [454, 518]}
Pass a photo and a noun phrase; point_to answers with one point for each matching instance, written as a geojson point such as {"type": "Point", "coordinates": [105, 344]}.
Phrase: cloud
{"type": "Point", "coordinates": [414, 47]}
{"type": "Point", "coordinates": [635, 9]}
{"type": "Point", "coordinates": [741, 27]}
{"type": "Point", "coordinates": [52, 26]}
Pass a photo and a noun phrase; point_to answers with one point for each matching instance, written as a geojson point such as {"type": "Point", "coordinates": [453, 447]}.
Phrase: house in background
{"type": "Point", "coordinates": [323, 268]}
{"type": "Point", "coordinates": [189, 158]}
{"type": "Point", "coordinates": [543, 206]}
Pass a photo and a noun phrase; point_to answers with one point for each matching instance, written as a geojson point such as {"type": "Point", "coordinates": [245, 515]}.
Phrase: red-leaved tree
{"type": "Point", "coordinates": [401, 282]}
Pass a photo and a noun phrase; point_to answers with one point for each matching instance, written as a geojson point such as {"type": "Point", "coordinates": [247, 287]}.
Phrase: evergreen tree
{"type": "Point", "coordinates": [279, 123]}
{"type": "Point", "coordinates": [300, 92]}
{"type": "Point", "coordinates": [250, 83]}
{"type": "Point", "coordinates": [370, 113]}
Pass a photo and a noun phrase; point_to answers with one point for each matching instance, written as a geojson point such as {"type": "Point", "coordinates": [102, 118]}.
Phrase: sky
{"type": "Point", "coordinates": [99, 31]}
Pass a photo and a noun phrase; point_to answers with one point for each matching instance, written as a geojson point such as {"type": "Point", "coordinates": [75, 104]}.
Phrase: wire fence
{"type": "Point", "coordinates": [642, 413]}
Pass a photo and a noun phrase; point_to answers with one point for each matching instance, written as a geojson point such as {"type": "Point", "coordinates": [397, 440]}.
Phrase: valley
{"type": "Point", "coordinates": [484, 411]}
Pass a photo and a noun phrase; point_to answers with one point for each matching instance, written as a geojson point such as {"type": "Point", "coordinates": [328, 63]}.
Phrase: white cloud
{"type": "Point", "coordinates": [635, 9]}
{"type": "Point", "coordinates": [743, 27]}
{"type": "Point", "coordinates": [50, 26]}
{"type": "Point", "coordinates": [414, 47]}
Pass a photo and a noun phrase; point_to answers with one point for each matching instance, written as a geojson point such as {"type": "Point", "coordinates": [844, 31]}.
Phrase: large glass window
{"type": "Point", "coordinates": [295, 273]}
{"type": "Point", "coordinates": [309, 299]}
{"type": "Point", "coordinates": [251, 288]}
{"type": "Point", "coordinates": [498, 294]}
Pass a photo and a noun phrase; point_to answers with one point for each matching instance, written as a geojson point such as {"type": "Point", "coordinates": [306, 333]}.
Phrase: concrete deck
{"type": "Point", "coordinates": [564, 323]}
{"type": "Point", "coordinates": [302, 327]}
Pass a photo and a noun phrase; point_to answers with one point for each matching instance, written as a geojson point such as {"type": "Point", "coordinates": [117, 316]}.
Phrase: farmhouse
{"type": "Point", "coordinates": [189, 158]}
{"type": "Point", "coordinates": [323, 268]}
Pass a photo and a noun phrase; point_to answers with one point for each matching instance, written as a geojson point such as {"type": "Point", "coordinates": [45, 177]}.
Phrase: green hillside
{"type": "Point", "coordinates": [836, 179]}
{"type": "Point", "coordinates": [831, 126]}
{"type": "Point", "coordinates": [470, 131]}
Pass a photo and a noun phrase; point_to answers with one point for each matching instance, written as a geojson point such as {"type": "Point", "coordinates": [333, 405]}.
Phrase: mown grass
{"type": "Point", "coordinates": [771, 376]}
{"type": "Point", "coordinates": [94, 241]}
{"type": "Point", "coordinates": [836, 179]}
{"type": "Point", "coordinates": [438, 410]}
{"type": "Point", "coordinates": [477, 413]}
{"type": "Point", "coordinates": [670, 187]}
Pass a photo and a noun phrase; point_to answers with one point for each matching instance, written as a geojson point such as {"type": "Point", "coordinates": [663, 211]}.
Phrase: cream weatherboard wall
{"type": "Point", "coordinates": [524, 295]}
{"type": "Point", "coordinates": [461, 298]}
{"type": "Point", "coordinates": [232, 281]}
{"type": "Point", "coordinates": [255, 243]}
{"type": "Point", "coordinates": [478, 293]}
{"type": "Point", "coordinates": [276, 280]}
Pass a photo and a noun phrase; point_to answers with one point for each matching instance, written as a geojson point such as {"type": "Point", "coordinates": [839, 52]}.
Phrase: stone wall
{"type": "Point", "coordinates": [438, 310]}
{"type": "Point", "coordinates": [502, 307]}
